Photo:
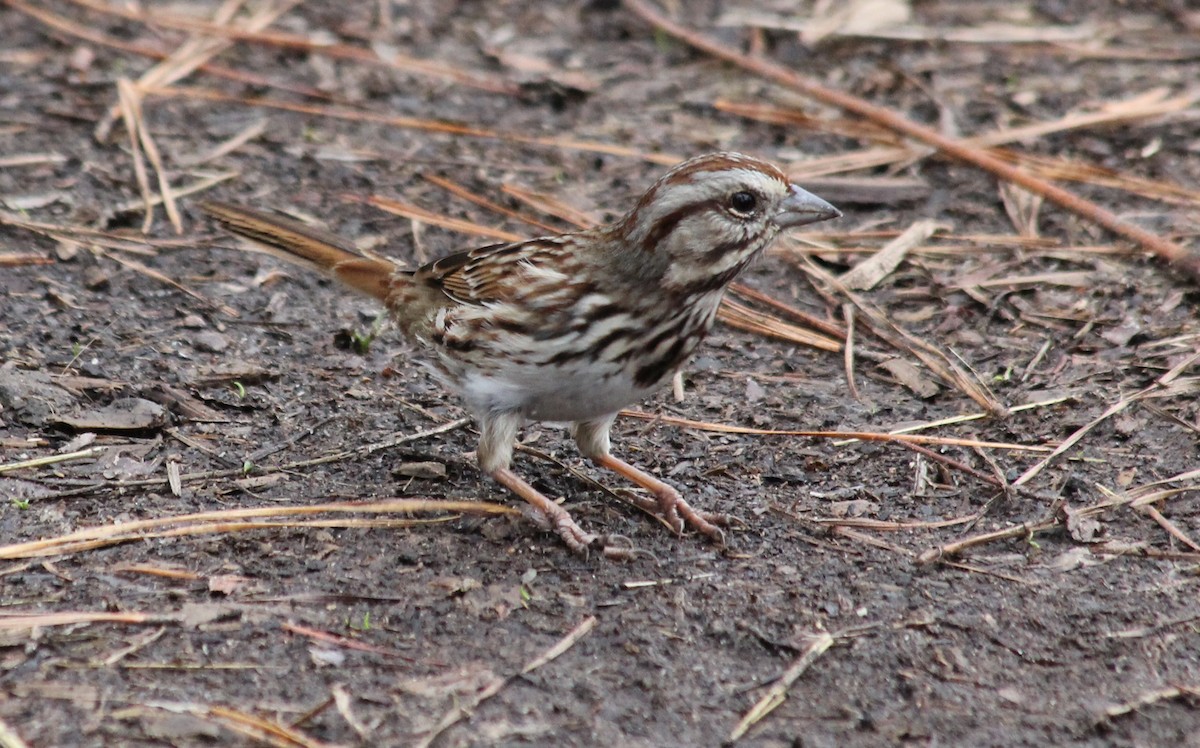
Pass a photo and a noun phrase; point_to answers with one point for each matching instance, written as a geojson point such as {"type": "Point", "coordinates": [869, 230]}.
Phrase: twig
{"type": "Point", "coordinates": [232, 520]}
{"type": "Point", "coordinates": [867, 436]}
{"type": "Point", "coordinates": [1025, 529]}
{"type": "Point", "coordinates": [338, 456]}
{"type": "Point", "coordinates": [1152, 697]}
{"type": "Point", "coordinates": [462, 711]}
{"type": "Point", "coordinates": [1161, 383]}
{"type": "Point", "coordinates": [1169, 526]}
{"type": "Point", "coordinates": [777, 693]}
{"type": "Point", "coordinates": [882, 325]}
{"type": "Point", "coordinates": [848, 353]}
{"type": "Point", "coordinates": [52, 459]}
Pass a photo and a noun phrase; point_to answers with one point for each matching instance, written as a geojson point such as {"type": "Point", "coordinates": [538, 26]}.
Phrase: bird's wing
{"type": "Point", "coordinates": [495, 273]}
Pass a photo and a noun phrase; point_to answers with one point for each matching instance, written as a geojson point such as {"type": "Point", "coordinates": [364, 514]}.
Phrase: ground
{"type": "Point", "coordinates": [138, 356]}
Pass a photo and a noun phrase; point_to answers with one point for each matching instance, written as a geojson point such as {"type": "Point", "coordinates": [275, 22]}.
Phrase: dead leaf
{"type": "Point", "coordinates": [855, 17]}
{"type": "Point", "coordinates": [1083, 529]}
{"type": "Point", "coordinates": [121, 415]}
{"type": "Point", "coordinates": [226, 584]}
{"type": "Point", "coordinates": [911, 377]}
{"type": "Point", "coordinates": [194, 615]}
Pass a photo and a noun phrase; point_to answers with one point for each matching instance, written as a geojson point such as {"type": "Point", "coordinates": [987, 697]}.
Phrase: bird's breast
{"type": "Point", "coordinates": [582, 367]}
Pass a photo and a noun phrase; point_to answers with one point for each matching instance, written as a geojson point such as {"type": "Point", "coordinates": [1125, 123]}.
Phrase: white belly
{"type": "Point", "coordinates": [550, 394]}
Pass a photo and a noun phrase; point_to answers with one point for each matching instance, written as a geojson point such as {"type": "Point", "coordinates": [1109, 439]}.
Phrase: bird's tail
{"type": "Point", "coordinates": [295, 242]}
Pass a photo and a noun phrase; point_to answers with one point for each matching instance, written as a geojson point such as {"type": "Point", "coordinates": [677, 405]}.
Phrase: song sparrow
{"type": "Point", "coordinates": [577, 326]}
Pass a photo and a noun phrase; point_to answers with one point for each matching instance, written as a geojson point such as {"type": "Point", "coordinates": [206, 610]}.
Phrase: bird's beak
{"type": "Point", "coordinates": [800, 208]}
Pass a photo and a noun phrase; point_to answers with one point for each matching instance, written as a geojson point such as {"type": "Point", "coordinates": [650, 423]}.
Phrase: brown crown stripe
{"type": "Point", "coordinates": [722, 162]}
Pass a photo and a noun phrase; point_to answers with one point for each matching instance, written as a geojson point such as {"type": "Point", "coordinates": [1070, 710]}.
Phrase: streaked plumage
{"type": "Point", "coordinates": [577, 326]}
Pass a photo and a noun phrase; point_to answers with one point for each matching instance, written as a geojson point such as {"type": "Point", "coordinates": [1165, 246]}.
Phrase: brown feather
{"type": "Point", "coordinates": [304, 245]}
{"type": "Point", "coordinates": [497, 272]}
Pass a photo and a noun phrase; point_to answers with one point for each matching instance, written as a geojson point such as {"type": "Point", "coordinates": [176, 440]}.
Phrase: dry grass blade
{"type": "Point", "coordinates": [891, 526]}
{"type": "Point", "coordinates": [836, 22]}
{"type": "Point", "coordinates": [201, 184]}
{"type": "Point", "coordinates": [160, 172]}
{"type": "Point", "coordinates": [1149, 698]}
{"type": "Point", "coordinates": [81, 454]}
{"type": "Point", "coordinates": [14, 160]}
{"type": "Point", "coordinates": [70, 28]}
{"type": "Point", "coordinates": [156, 275]}
{"type": "Point", "coordinates": [744, 318]}
{"type": "Point", "coordinates": [231, 520]}
{"type": "Point", "coordinates": [550, 205]}
{"type": "Point", "coordinates": [272, 733]}
{"type": "Point", "coordinates": [415, 213]}
{"type": "Point", "coordinates": [1142, 107]}
{"type": "Point", "coordinates": [412, 123]}
{"type": "Point", "coordinates": [950, 550]}
{"type": "Point", "coordinates": [1073, 171]}
{"type": "Point", "coordinates": [1171, 528]}
{"type": "Point", "coordinates": [143, 246]}
{"type": "Point", "coordinates": [21, 259]}
{"type": "Point", "coordinates": [966, 417]}
{"type": "Point", "coordinates": [192, 54]}
{"type": "Point", "coordinates": [881, 325]}
{"type": "Point", "coordinates": [231, 144]}
{"type": "Point", "coordinates": [340, 641]}
{"type": "Point", "coordinates": [831, 329]}
{"type": "Point", "coordinates": [848, 354]}
{"type": "Point", "coordinates": [871, 436]}
{"type": "Point", "coordinates": [795, 117]}
{"type": "Point", "coordinates": [460, 191]}
{"type": "Point", "coordinates": [1154, 492]}
{"type": "Point", "coordinates": [1055, 516]}
{"type": "Point", "coordinates": [777, 693]}
{"type": "Point", "coordinates": [1167, 383]}
{"type": "Point", "coordinates": [254, 34]}
{"type": "Point", "coordinates": [130, 110]}
{"type": "Point", "coordinates": [21, 621]}
{"type": "Point", "coordinates": [1070, 278]}
{"type": "Point", "coordinates": [1143, 498]}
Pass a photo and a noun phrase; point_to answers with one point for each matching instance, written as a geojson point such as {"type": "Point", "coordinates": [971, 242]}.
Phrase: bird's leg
{"type": "Point", "coordinates": [558, 518]}
{"type": "Point", "coordinates": [592, 438]}
{"type": "Point", "coordinates": [498, 431]}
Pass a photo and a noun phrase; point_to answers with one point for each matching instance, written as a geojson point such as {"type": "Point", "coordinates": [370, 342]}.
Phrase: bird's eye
{"type": "Point", "coordinates": [743, 202]}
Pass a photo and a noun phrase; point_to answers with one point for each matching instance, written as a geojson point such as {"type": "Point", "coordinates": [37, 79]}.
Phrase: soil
{"type": "Point", "coordinates": [167, 353]}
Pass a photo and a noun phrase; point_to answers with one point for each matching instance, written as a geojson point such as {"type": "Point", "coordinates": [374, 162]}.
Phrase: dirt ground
{"type": "Point", "coordinates": [137, 357]}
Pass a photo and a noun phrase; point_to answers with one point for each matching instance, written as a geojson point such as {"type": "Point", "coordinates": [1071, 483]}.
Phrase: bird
{"type": "Point", "coordinates": [571, 327]}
